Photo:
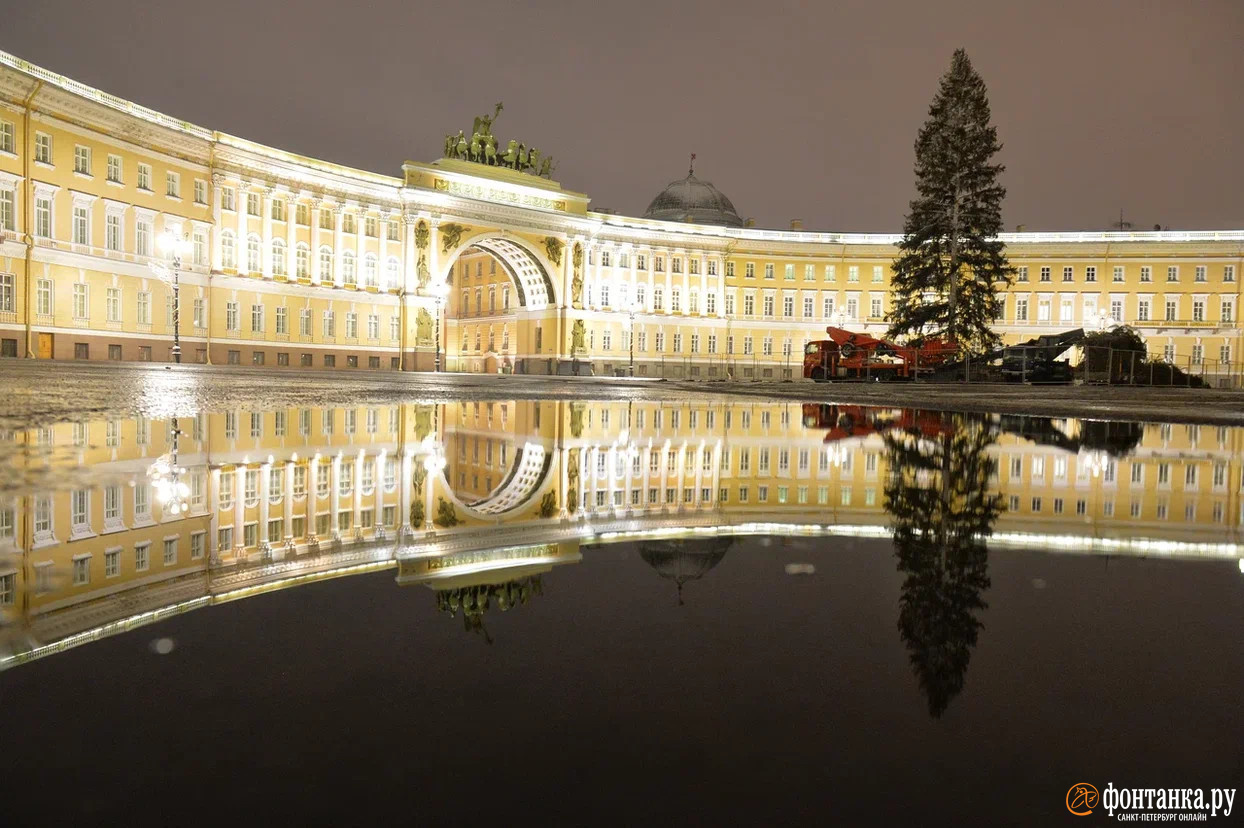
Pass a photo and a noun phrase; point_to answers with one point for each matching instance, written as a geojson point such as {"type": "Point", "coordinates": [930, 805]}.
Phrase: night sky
{"type": "Point", "coordinates": [804, 110]}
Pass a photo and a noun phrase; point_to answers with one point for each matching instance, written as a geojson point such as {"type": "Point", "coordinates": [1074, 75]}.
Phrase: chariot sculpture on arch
{"type": "Point", "coordinates": [481, 146]}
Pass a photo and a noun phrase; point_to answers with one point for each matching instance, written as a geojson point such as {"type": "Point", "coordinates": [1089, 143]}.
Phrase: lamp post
{"type": "Point", "coordinates": [165, 476]}
{"type": "Point", "coordinates": [173, 247]}
{"type": "Point", "coordinates": [439, 291]}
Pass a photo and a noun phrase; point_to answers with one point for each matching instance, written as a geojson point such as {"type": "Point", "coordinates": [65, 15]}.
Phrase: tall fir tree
{"type": "Point", "coordinates": [951, 263]}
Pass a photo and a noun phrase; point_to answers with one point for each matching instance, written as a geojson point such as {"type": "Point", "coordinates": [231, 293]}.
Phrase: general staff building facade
{"type": "Point", "coordinates": [472, 266]}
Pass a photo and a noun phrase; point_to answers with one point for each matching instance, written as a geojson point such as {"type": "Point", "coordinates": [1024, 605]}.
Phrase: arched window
{"type": "Point", "coordinates": [658, 299]}
{"type": "Point", "coordinates": [278, 257]}
{"type": "Point", "coordinates": [228, 250]}
{"type": "Point", "coordinates": [302, 256]}
{"type": "Point", "coordinates": [371, 278]}
{"type": "Point", "coordinates": [675, 300]}
{"type": "Point", "coordinates": [347, 267]}
{"type": "Point", "coordinates": [326, 264]}
{"type": "Point", "coordinates": [392, 277]}
{"type": "Point", "coordinates": [252, 255]}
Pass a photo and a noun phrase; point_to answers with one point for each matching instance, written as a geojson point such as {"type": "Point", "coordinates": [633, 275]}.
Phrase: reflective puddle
{"type": "Point", "coordinates": [618, 611]}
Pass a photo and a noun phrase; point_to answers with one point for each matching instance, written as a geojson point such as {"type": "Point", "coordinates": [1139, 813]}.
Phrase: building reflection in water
{"type": "Point", "coordinates": [277, 498]}
{"type": "Point", "coordinates": [681, 561]}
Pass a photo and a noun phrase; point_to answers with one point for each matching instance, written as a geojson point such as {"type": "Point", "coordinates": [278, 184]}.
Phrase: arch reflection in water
{"type": "Point", "coordinates": [281, 497]}
{"type": "Point", "coordinates": [476, 581]}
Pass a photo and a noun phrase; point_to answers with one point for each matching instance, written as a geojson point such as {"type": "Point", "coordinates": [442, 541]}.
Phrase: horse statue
{"type": "Point", "coordinates": [511, 154]}
{"type": "Point", "coordinates": [450, 143]}
{"type": "Point", "coordinates": [477, 150]}
{"type": "Point", "coordinates": [534, 158]}
{"type": "Point", "coordinates": [461, 145]}
{"type": "Point", "coordinates": [546, 167]}
{"type": "Point", "coordinates": [490, 151]}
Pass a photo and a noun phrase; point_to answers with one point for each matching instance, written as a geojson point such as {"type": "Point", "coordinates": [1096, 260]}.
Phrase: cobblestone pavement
{"type": "Point", "coordinates": [36, 393]}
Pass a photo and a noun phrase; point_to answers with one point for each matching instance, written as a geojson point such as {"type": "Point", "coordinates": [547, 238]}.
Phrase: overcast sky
{"type": "Point", "coordinates": [795, 110]}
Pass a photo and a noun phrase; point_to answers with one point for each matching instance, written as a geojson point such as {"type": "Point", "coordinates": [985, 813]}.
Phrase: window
{"type": "Point", "coordinates": [348, 223]}
{"type": "Point", "coordinates": [43, 148]}
{"type": "Point", "coordinates": [278, 257]}
{"type": "Point", "coordinates": [1228, 273]}
{"type": "Point", "coordinates": [1068, 274]}
{"type": "Point", "coordinates": [82, 570]}
{"type": "Point", "coordinates": [6, 292]}
{"type": "Point", "coordinates": [7, 142]}
{"type": "Point", "coordinates": [8, 209]}
{"type": "Point", "coordinates": [199, 255]}
{"type": "Point", "coordinates": [1021, 274]}
{"type": "Point", "coordinates": [231, 316]}
{"type": "Point", "coordinates": [112, 232]}
{"type": "Point", "coordinates": [257, 319]}
{"type": "Point", "coordinates": [252, 204]}
{"type": "Point", "coordinates": [1118, 273]}
{"type": "Point", "coordinates": [172, 184]}
{"type": "Point", "coordinates": [1172, 273]}
{"type": "Point", "coordinates": [43, 297]}
{"type": "Point", "coordinates": [113, 303]}
{"type": "Point", "coordinates": [853, 273]}
{"type": "Point", "coordinates": [1090, 274]}
{"type": "Point", "coordinates": [252, 255]}
{"type": "Point", "coordinates": [81, 224]}
{"type": "Point", "coordinates": [768, 270]}
{"type": "Point", "coordinates": [142, 307]}
{"type": "Point", "coordinates": [1202, 273]}
{"type": "Point", "coordinates": [43, 217]}
{"type": "Point", "coordinates": [80, 309]}
{"type": "Point", "coordinates": [277, 210]}
{"type": "Point", "coordinates": [228, 252]}
{"type": "Point", "coordinates": [330, 324]}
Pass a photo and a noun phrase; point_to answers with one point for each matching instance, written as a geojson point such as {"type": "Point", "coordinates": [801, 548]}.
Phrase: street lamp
{"type": "Point", "coordinates": [173, 247]}
{"type": "Point", "coordinates": [166, 477]}
{"type": "Point", "coordinates": [439, 291]}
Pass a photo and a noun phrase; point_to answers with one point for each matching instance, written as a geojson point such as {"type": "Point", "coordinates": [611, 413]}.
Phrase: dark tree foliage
{"type": "Point", "coordinates": [938, 494]}
{"type": "Point", "coordinates": [951, 263]}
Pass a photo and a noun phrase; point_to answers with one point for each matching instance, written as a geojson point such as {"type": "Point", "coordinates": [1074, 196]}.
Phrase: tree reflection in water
{"type": "Point", "coordinates": [938, 493]}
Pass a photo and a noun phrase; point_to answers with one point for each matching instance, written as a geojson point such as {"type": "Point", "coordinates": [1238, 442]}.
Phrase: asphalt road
{"type": "Point", "coordinates": [35, 393]}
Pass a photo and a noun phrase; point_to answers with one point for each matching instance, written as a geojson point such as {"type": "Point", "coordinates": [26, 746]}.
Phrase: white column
{"type": "Point", "coordinates": [213, 501]}
{"type": "Point", "coordinates": [434, 251]}
{"type": "Point", "coordinates": [357, 506]}
{"type": "Point", "coordinates": [314, 269]}
{"type": "Point", "coordinates": [217, 182]}
{"type": "Point", "coordinates": [265, 474]}
{"type": "Point", "coordinates": [291, 238]}
{"type": "Point", "coordinates": [381, 460]}
{"type": "Point", "coordinates": [410, 256]}
{"type": "Point", "coordinates": [265, 245]}
{"type": "Point", "coordinates": [405, 489]}
{"type": "Point", "coordinates": [289, 499]}
{"type": "Point", "coordinates": [239, 247]}
{"type": "Point", "coordinates": [334, 495]}
{"type": "Point", "coordinates": [360, 226]}
{"type": "Point", "coordinates": [338, 250]}
{"type": "Point", "coordinates": [313, 466]}
{"type": "Point", "coordinates": [239, 506]}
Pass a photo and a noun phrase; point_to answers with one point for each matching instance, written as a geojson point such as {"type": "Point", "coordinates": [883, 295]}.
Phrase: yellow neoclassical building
{"type": "Point", "coordinates": [479, 261]}
{"type": "Point", "coordinates": [289, 495]}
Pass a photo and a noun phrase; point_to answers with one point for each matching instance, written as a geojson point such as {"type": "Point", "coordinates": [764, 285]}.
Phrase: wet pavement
{"type": "Point", "coordinates": [35, 393]}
